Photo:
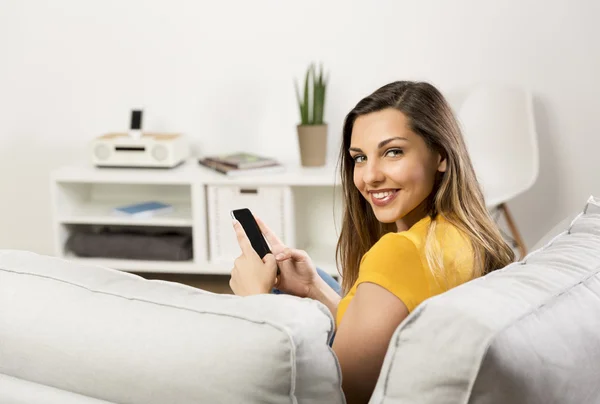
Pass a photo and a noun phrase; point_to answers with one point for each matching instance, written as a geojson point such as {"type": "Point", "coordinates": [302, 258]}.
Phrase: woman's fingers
{"type": "Point", "coordinates": [243, 239]}
{"type": "Point", "coordinates": [252, 276]}
{"type": "Point", "coordinates": [270, 260]}
{"type": "Point", "coordinates": [233, 281]}
{"type": "Point", "coordinates": [286, 254]}
{"type": "Point", "coordinates": [292, 253]}
{"type": "Point", "coordinates": [272, 239]}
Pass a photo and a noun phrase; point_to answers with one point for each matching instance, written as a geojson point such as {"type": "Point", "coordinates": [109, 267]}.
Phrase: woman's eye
{"type": "Point", "coordinates": [359, 158]}
{"type": "Point", "coordinates": [394, 152]}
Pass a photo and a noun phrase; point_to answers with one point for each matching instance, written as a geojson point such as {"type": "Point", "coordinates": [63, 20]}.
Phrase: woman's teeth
{"type": "Point", "coordinates": [381, 195]}
{"type": "Point", "coordinates": [383, 198]}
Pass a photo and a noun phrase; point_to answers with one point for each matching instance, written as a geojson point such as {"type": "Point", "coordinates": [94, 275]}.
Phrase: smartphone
{"type": "Point", "coordinates": [246, 219]}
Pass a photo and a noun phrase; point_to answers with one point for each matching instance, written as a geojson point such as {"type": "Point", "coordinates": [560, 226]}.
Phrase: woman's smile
{"type": "Point", "coordinates": [383, 197]}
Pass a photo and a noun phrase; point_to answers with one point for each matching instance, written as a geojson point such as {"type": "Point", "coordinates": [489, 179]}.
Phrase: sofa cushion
{"type": "Point", "coordinates": [117, 337]}
{"type": "Point", "coordinates": [19, 391]}
{"type": "Point", "coordinates": [528, 333]}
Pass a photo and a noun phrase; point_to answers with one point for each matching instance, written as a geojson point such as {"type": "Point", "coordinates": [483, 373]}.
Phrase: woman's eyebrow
{"type": "Point", "coordinates": [384, 142]}
{"type": "Point", "coordinates": [380, 145]}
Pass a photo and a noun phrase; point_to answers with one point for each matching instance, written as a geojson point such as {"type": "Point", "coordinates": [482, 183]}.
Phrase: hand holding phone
{"type": "Point", "coordinates": [246, 219]}
{"type": "Point", "coordinates": [252, 275]}
{"type": "Point", "coordinates": [296, 269]}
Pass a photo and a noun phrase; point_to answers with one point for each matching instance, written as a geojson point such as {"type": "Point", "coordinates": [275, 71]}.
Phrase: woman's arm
{"type": "Point", "coordinates": [322, 292]}
{"type": "Point", "coordinates": [362, 339]}
{"type": "Point", "coordinates": [364, 334]}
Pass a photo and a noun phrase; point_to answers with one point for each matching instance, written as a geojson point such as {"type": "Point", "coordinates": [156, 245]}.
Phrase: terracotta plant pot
{"type": "Point", "coordinates": [313, 144]}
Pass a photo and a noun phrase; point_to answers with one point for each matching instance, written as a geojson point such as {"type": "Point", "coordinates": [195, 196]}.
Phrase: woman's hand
{"type": "Point", "coordinates": [297, 272]}
{"type": "Point", "coordinates": [251, 275]}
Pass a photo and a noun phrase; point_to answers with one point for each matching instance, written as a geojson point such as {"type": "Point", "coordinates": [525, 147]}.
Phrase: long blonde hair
{"type": "Point", "coordinates": [456, 195]}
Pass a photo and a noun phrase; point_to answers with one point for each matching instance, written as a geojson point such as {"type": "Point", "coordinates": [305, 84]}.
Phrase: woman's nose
{"type": "Point", "coordinates": [373, 173]}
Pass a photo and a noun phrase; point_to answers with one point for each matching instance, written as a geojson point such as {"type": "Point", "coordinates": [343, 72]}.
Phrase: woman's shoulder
{"type": "Point", "coordinates": [395, 241]}
{"type": "Point", "coordinates": [395, 263]}
{"type": "Point", "coordinates": [446, 233]}
{"type": "Point", "coordinates": [413, 240]}
{"type": "Point", "coordinates": [391, 245]}
{"type": "Point", "coordinates": [450, 236]}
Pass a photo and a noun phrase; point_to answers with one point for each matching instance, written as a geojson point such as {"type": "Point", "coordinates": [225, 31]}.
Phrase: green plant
{"type": "Point", "coordinates": [312, 105]}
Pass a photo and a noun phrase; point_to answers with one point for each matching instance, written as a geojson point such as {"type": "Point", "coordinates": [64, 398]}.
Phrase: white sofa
{"type": "Point", "coordinates": [528, 333]}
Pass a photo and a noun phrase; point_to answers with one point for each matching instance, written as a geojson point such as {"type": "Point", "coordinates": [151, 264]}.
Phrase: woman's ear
{"type": "Point", "coordinates": [442, 163]}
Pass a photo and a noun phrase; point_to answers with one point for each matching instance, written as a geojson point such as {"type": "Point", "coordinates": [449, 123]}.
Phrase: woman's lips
{"type": "Point", "coordinates": [386, 200]}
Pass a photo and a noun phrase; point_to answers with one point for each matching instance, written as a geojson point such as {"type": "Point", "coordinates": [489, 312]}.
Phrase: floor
{"type": "Point", "coordinates": [212, 283]}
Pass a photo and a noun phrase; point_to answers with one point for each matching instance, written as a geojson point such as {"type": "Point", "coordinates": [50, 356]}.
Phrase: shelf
{"type": "Point", "coordinates": [102, 213]}
{"type": "Point", "coordinates": [85, 172]}
{"type": "Point", "coordinates": [190, 172]}
{"type": "Point", "coordinates": [85, 196]}
{"type": "Point", "coordinates": [293, 176]}
{"type": "Point", "coordinates": [189, 267]}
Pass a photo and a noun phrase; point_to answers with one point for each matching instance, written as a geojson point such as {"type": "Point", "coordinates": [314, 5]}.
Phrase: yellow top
{"type": "Point", "coordinates": [397, 262]}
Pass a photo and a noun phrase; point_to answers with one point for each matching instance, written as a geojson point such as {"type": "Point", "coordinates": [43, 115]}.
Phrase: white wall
{"type": "Point", "coordinates": [222, 71]}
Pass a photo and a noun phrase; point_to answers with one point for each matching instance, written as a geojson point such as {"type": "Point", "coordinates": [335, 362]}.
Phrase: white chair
{"type": "Point", "coordinates": [499, 129]}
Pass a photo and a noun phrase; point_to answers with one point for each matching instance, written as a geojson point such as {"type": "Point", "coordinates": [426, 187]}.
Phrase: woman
{"type": "Point", "coordinates": [415, 225]}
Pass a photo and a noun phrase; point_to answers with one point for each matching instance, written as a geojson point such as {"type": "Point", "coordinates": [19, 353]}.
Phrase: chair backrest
{"type": "Point", "coordinates": [499, 129]}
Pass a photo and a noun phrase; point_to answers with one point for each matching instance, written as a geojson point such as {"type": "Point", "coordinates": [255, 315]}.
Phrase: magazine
{"type": "Point", "coordinates": [235, 172]}
{"type": "Point", "coordinates": [243, 160]}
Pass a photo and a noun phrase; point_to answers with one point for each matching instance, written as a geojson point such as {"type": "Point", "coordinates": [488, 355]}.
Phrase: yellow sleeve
{"type": "Point", "coordinates": [394, 264]}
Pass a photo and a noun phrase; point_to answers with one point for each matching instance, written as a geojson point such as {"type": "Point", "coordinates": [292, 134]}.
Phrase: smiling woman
{"type": "Point", "coordinates": [403, 140]}
{"type": "Point", "coordinates": [414, 226]}
{"type": "Point", "coordinates": [393, 164]}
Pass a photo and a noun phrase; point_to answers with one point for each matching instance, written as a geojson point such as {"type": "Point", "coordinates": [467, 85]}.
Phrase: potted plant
{"type": "Point", "coordinates": [312, 130]}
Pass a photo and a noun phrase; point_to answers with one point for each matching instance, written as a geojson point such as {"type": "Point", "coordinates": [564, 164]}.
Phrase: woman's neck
{"type": "Point", "coordinates": [412, 217]}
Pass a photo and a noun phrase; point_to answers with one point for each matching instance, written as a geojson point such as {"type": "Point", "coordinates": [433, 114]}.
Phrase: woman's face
{"type": "Point", "coordinates": [394, 169]}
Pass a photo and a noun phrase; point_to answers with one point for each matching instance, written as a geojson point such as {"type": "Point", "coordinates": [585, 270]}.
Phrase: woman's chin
{"type": "Point", "coordinates": [386, 217]}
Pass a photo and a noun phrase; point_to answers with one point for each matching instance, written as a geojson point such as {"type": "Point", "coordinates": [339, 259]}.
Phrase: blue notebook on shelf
{"type": "Point", "coordinates": [144, 209]}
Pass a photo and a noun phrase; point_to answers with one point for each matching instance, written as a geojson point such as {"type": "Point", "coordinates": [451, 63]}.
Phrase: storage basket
{"type": "Point", "coordinates": [273, 204]}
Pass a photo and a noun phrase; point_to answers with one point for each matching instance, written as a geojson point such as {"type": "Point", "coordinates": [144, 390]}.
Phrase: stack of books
{"type": "Point", "coordinates": [242, 164]}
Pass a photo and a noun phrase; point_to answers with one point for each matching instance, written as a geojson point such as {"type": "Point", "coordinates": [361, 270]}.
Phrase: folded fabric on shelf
{"type": "Point", "coordinates": [138, 244]}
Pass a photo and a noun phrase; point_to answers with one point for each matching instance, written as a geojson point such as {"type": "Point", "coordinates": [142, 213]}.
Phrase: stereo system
{"type": "Point", "coordinates": [152, 150]}
{"type": "Point", "coordinates": [139, 149]}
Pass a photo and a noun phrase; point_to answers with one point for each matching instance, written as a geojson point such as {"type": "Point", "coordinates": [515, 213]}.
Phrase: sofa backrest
{"type": "Point", "coordinates": [528, 333]}
{"type": "Point", "coordinates": [117, 337]}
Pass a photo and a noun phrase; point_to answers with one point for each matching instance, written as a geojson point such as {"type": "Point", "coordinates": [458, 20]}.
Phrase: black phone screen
{"type": "Point", "coordinates": [246, 219]}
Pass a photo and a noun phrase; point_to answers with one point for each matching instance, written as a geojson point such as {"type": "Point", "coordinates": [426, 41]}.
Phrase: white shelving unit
{"type": "Point", "coordinates": [85, 196]}
{"type": "Point", "coordinates": [96, 213]}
